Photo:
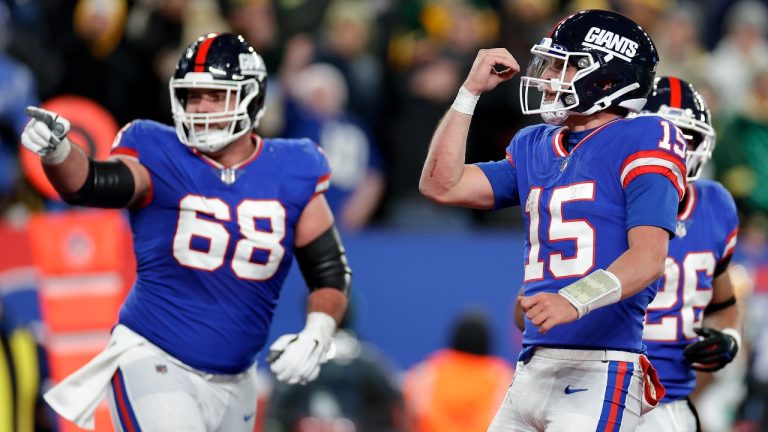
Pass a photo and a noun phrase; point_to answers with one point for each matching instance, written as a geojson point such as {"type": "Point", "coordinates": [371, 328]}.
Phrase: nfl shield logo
{"type": "Point", "coordinates": [680, 229]}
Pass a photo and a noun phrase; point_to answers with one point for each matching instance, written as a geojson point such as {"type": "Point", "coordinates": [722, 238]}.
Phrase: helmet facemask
{"type": "Point", "coordinates": [546, 74]}
{"type": "Point", "coordinates": [212, 131]}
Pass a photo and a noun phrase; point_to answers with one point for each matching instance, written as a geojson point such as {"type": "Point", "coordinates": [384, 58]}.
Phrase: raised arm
{"type": "Point", "coordinates": [445, 178]}
{"type": "Point", "coordinates": [79, 179]}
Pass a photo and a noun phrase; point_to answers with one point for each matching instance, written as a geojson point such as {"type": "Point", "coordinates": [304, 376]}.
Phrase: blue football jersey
{"type": "Point", "coordinates": [706, 235]}
{"type": "Point", "coordinates": [576, 215]}
{"type": "Point", "coordinates": [214, 245]}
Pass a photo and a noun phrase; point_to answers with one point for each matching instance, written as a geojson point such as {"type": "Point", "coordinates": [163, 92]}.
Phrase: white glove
{"type": "Point", "coordinates": [296, 358]}
{"type": "Point", "coordinates": [45, 135]}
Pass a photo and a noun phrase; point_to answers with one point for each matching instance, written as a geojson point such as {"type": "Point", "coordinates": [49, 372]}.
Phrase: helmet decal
{"type": "Point", "coordinates": [611, 43]}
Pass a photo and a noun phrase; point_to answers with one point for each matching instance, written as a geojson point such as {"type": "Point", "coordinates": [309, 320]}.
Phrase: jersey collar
{"type": "Point", "coordinates": [558, 141]}
{"type": "Point", "coordinates": [259, 144]}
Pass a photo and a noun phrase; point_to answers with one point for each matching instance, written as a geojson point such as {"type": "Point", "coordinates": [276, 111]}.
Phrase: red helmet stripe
{"type": "Point", "coordinates": [675, 94]}
{"type": "Point", "coordinates": [202, 53]}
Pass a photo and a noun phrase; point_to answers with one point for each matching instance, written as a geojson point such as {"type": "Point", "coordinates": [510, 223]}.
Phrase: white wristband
{"type": "Point", "coordinates": [58, 154]}
{"type": "Point", "coordinates": [597, 289]}
{"type": "Point", "coordinates": [465, 102]}
{"type": "Point", "coordinates": [734, 334]}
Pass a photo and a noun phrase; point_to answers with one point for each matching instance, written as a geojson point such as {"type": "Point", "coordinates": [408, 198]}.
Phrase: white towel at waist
{"type": "Point", "coordinates": [76, 397]}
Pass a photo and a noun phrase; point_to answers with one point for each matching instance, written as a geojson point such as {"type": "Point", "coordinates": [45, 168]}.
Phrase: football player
{"type": "Point", "coordinates": [692, 323]}
{"type": "Point", "coordinates": [217, 215]}
{"type": "Point", "coordinates": [599, 193]}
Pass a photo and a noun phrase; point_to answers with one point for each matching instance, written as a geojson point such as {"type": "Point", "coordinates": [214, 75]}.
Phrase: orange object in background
{"type": "Point", "coordinates": [86, 266]}
{"type": "Point", "coordinates": [92, 128]}
{"type": "Point", "coordinates": [455, 391]}
{"type": "Point", "coordinates": [80, 242]}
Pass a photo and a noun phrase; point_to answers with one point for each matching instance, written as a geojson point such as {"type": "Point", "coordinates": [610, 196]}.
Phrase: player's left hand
{"type": "Point", "coordinates": [296, 358]}
{"type": "Point", "coordinates": [712, 353]}
{"type": "Point", "coordinates": [546, 310]}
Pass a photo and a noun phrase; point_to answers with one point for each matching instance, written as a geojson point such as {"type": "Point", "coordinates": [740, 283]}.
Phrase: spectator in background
{"type": "Point", "coordinates": [679, 44]}
{"type": "Point", "coordinates": [355, 391]}
{"type": "Point", "coordinates": [152, 44]}
{"type": "Point", "coordinates": [345, 42]}
{"type": "Point", "coordinates": [459, 388]}
{"type": "Point", "coordinates": [742, 157]}
{"type": "Point", "coordinates": [316, 109]}
{"type": "Point", "coordinates": [426, 92]}
{"type": "Point", "coordinates": [741, 53]}
{"type": "Point", "coordinates": [17, 90]}
{"type": "Point", "coordinates": [257, 21]}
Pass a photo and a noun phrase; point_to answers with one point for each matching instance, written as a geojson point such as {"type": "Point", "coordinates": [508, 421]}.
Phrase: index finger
{"type": "Point", "coordinates": [40, 115]}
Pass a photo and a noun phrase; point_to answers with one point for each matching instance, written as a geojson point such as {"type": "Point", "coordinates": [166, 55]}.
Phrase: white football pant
{"type": "Point", "coordinates": [671, 416]}
{"type": "Point", "coordinates": [152, 392]}
{"type": "Point", "coordinates": [564, 390]}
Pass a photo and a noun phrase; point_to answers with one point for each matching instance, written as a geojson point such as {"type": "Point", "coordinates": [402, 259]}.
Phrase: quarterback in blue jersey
{"type": "Point", "coordinates": [599, 193]}
{"type": "Point", "coordinates": [692, 323]}
{"type": "Point", "coordinates": [217, 215]}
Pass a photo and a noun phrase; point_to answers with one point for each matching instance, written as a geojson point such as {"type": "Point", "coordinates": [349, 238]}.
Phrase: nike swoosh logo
{"type": "Point", "coordinates": [569, 390]}
{"type": "Point", "coordinates": [247, 417]}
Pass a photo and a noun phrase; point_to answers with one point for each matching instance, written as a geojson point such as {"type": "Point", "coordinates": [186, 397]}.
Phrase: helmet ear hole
{"type": "Point", "coordinates": [583, 63]}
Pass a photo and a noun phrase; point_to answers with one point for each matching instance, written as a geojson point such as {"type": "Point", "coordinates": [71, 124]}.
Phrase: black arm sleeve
{"type": "Point", "coordinates": [109, 184]}
{"type": "Point", "coordinates": [324, 263]}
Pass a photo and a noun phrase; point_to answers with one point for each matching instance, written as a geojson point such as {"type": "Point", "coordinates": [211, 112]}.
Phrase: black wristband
{"type": "Point", "coordinates": [714, 307]}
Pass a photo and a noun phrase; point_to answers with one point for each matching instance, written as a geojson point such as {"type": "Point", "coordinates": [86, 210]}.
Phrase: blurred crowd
{"type": "Point", "coordinates": [369, 80]}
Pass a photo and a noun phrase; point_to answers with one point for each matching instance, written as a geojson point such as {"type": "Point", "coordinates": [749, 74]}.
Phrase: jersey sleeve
{"type": "Point", "coordinates": [651, 202]}
{"type": "Point", "coordinates": [127, 140]}
{"type": "Point", "coordinates": [502, 174]}
{"type": "Point", "coordinates": [730, 218]}
{"type": "Point", "coordinates": [654, 146]}
{"type": "Point", "coordinates": [319, 168]}
{"type": "Point", "coordinates": [652, 173]}
{"type": "Point", "coordinates": [503, 178]}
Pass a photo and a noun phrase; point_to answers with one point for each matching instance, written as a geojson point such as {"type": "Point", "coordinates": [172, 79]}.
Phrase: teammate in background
{"type": "Point", "coordinates": [697, 297]}
{"type": "Point", "coordinates": [217, 214]}
{"type": "Point", "coordinates": [599, 195]}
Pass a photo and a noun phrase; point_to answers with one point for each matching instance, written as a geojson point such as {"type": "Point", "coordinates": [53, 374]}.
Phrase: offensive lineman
{"type": "Point", "coordinates": [217, 214]}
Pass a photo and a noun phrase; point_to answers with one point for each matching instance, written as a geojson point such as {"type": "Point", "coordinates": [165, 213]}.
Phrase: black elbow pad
{"type": "Point", "coordinates": [324, 263]}
{"type": "Point", "coordinates": [109, 184]}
